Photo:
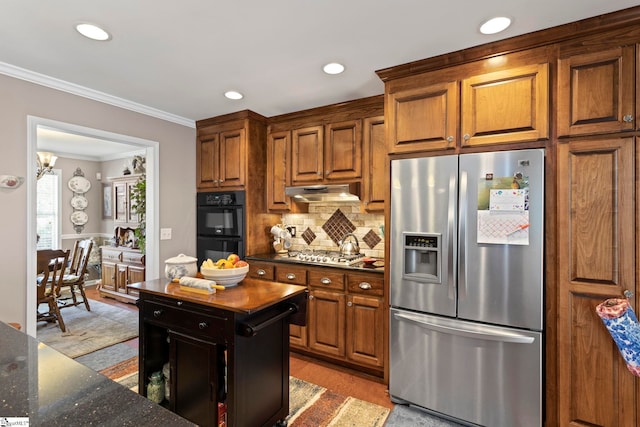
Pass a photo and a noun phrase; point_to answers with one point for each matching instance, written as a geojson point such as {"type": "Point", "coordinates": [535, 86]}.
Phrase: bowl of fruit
{"type": "Point", "coordinates": [226, 271]}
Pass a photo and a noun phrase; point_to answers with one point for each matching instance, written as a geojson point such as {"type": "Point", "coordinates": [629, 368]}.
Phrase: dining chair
{"type": "Point", "coordinates": [51, 264]}
{"type": "Point", "coordinates": [74, 277]}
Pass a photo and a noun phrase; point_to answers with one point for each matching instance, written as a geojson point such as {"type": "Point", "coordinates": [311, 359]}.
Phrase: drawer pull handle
{"type": "Point", "coordinates": [179, 303]}
{"type": "Point", "coordinates": [364, 285]}
{"type": "Point", "coordinates": [325, 281]}
{"type": "Point", "coordinates": [157, 313]}
{"type": "Point", "coordinates": [203, 325]}
{"type": "Point", "coordinates": [261, 272]}
{"type": "Point", "coordinates": [291, 276]}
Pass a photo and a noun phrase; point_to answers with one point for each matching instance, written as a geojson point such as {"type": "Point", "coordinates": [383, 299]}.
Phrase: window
{"type": "Point", "coordinates": [48, 210]}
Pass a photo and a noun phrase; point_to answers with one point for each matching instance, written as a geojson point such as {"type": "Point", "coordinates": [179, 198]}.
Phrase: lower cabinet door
{"type": "Point", "coordinates": [195, 384]}
{"type": "Point", "coordinates": [365, 330]}
{"type": "Point", "coordinates": [327, 322]}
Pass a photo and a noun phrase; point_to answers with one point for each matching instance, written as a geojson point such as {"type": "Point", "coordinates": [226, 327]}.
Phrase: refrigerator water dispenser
{"type": "Point", "coordinates": [422, 257]}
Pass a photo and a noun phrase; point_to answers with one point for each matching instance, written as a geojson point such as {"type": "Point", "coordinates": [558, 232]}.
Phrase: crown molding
{"type": "Point", "coordinates": [74, 89]}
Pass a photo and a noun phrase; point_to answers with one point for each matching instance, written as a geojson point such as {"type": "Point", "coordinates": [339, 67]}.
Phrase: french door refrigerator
{"type": "Point", "coordinates": [466, 286]}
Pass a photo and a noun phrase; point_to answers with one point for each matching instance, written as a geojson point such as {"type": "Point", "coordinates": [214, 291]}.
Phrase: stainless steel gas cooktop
{"type": "Point", "coordinates": [321, 257]}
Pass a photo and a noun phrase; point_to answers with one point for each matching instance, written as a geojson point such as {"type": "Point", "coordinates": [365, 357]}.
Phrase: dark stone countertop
{"type": "Point", "coordinates": [358, 267]}
{"type": "Point", "coordinates": [51, 389]}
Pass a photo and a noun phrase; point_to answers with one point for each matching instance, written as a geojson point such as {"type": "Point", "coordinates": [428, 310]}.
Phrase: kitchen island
{"type": "Point", "coordinates": [228, 352]}
{"type": "Point", "coordinates": [47, 387]}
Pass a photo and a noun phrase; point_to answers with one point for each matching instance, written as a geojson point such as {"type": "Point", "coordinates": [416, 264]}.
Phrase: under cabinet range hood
{"type": "Point", "coordinates": [324, 193]}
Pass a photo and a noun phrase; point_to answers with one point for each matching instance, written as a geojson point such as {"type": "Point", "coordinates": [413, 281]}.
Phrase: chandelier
{"type": "Point", "coordinates": [46, 161]}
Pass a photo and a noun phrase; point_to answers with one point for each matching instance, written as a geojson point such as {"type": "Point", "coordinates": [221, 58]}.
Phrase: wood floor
{"type": "Point", "coordinates": [335, 378]}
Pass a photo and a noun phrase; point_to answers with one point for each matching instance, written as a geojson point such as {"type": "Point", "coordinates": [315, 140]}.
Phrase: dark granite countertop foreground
{"type": "Point", "coordinates": [51, 389]}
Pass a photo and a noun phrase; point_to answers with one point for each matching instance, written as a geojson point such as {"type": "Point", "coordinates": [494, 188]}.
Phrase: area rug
{"type": "Point", "coordinates": [310, 405]}
{"type": "Point", "coordinates": [88, 331]}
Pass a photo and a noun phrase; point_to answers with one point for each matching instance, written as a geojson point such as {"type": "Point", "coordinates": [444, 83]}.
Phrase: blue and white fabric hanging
{"type": "Point", "coordinates": [622, 324]}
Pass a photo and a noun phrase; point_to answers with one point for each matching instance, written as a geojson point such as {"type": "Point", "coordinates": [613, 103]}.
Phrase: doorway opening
{"type": "Point", "coordinates": [151, 152]}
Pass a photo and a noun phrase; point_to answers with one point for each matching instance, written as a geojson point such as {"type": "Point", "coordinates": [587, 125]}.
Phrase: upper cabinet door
{"type": "Point", "coordinates": [506, 106]}
{"type": "Point", "coordinates": [307, 155]}
{"type": "Point", "coordinates": [375, 160]}
{"type": "Point", "coordinates": [277, 172]}
{"type": "Point", "coordinates": [343, 150]}
{"type": "Point", "coordinates": [232, 157]}
{"type": "Point", "coordinates": [207, 160]}
{"type": "Point", "coordinates": [596, 92]}
{"type": "Point", "coordinates": [421, 119]}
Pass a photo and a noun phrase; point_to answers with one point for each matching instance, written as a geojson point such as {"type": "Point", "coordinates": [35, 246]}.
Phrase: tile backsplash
{"type": "Point", "coordinates": [325, 225]}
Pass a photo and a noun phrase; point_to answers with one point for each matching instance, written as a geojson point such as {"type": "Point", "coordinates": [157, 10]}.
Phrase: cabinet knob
{"type": "Point", "coordinates": [203, 325]}
{"type": "Point", "coordinates": [291, 276]}
{"type": "Point", "coordinates": [221, 181]}
{"type": "Point", "coordinates": [349, 304]}
{"type": "Point", "coordinates": [261, 272]}
{"type": "Point", "coordinates": [467, 137]}
{"type": "Point", "coordinates": [179, 303]}
{"type": "Point", "coordinates": [311, 297]}
{"type": "Point", "coordinates": [364, 285]}
{"type": "Point", "coordinates": [628, 118]}
{"type": "Point", "coordinates": [450, 138]}
{"type": "Point", "coordinates": [215, 181]}
{"type": "Point", "coordinates": [157, 313]}
{"type": "Point", "coordinates": [325, 281]}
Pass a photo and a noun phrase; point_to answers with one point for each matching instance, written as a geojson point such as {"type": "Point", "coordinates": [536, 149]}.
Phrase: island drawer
{"type": "Point", "coordinates": [184, 320]}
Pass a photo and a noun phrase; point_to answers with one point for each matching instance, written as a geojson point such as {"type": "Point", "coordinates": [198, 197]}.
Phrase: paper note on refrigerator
{"type": "Point", "coordinates": [503, 212]}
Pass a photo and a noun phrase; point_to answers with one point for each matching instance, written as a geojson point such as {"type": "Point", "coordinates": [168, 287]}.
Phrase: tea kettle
{"type": "Point", "coordinates": [349, 248]}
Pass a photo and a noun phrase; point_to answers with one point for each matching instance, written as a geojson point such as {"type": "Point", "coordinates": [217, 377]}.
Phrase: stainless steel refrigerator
{"type": "Point", "coordinates": [466, 286]}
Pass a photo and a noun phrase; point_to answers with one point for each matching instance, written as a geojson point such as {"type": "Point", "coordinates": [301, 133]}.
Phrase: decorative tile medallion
{"type": "Point", "coordinates": [308, 236]}
{"type": "Point", "coordinates": [337, 226]}
{"type": "Point", "coordinates": [371, 239]}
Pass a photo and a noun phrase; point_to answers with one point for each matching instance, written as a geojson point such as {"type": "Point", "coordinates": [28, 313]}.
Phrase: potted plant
{"type": "Point", "coordinates": [139, 202]}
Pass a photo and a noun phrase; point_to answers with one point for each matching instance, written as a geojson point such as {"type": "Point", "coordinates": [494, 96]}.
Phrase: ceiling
{"type": "Point", "coordinates": [175, 59]}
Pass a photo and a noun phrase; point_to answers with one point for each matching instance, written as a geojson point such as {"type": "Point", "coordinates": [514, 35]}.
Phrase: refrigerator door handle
{"type": "Point", "coordinates": [451, 224]}
{"type": "Point", "coordinates": [462, 236]}
{"type": "Point", "coordinates": [502, 336]}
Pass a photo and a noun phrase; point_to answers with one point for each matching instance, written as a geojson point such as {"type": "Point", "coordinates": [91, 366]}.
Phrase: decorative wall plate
{"type": "Point", "coordinates": [79, 202]}
{"type": "Point", "coordinates": [79, 184]}
{"type": "Point", "coordinates": [79, 218]}
{"type": "Point", "coordinates": [11, 181]}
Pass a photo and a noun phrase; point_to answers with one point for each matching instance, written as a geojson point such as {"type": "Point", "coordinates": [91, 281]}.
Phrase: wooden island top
{"type": "Point", "coordinates": [247, 297]}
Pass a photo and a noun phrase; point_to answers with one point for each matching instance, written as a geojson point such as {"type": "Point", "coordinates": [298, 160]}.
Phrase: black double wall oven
{"type": "Point", "coordinates": [220, 225]}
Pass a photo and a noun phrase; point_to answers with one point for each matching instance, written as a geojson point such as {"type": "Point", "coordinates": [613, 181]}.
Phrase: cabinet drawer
{"type": "Point", "coordinates": [111, 255]}
{"type": "Point", "coordinates": [294, 275]}
{"type": "Point", "coordinates": [365, 284]}
{"type": "Point", "coordinates": [133, 257]}
{"type": "Point", "coordinates": [259, 270]}
{"type": "Point", "coordinates": [326, 280]}
{"type": "Point", "coordinates": [185, 320]}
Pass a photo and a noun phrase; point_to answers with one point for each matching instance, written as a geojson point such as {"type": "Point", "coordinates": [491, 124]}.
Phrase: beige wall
{"type": "Point", "coordinates": [19, 99]}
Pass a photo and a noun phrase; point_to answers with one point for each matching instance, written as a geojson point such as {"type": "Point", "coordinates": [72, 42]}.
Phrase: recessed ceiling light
{"type": "Point", "coordinates": [495, 25]}
{"type": "Point", "coordinates": [333, 68]}
{"type": "Point", "coordinates": [232, 94]}
{"type": "Point", "coordinates": [93, 32]}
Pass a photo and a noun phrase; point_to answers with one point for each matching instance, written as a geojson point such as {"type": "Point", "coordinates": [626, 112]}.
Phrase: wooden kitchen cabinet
{"type": "Point", "coordinates": [224, 147]}
{"type": "Point", "coordinates": [120, 267]}
{"type": "Point", "coordinates": [374, 164]}
{"type": "Point", "coordinates": [596, 261]}
{"type": "Point", "coordinates": [326, 145]}
{"type": "Point", "coordinates": [347, 314]}
{"type": "Point", "coordinates": [422, 118]}
{"type": "Point", "coordinates": [124, 212]}
{"type": "Point", "coordinates": [457, 107]}
{"type": "Point", "coordinates": [596, 92]}
{"type": "Point", "coordinates": [506, 106]}
{"type": "Point", "coordinates": [327, 153]}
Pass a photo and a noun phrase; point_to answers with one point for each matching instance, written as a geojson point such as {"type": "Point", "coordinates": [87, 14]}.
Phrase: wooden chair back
{"type": "Point", "coordinates": [74, 277]}
{"type": "Point", "coordinates": [80, 257]}
{"type": "Point", "coordinates": [51, 265]}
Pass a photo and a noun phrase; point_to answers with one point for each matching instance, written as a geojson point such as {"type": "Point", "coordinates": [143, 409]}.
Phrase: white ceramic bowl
{"type": "Point", "coordinates": [225, 277]}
